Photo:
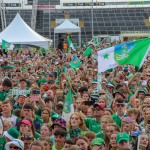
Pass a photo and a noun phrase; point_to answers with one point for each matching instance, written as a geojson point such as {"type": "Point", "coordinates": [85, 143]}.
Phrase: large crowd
{"type": "Point", "coordinates": [111, 110]}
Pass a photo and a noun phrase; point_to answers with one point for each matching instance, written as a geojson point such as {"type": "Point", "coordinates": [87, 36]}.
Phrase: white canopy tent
{"type": "Point", "coordinates": [67, 26]}
{"type": "Point", "coordinates": [18, 32]}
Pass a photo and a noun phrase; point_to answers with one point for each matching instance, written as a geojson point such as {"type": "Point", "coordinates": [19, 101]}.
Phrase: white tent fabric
{"type": "Point", "coordinates": [67, 26]}
{"type": "Point", "coordinates": [18, 32]}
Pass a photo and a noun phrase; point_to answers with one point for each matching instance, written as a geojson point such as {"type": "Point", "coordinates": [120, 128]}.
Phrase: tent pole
{"type": "Point", "coordinates": [54, 39]}
{"type": "Point", "coordinates": [80, 38]}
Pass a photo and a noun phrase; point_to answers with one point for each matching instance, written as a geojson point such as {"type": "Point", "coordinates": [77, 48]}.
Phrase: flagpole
{"type": "Point", "coordinates": [92, 19]}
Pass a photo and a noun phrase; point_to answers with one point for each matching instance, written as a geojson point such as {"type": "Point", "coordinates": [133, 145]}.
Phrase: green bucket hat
{"type": "Point", "coordinates": [12, 133]}
{"type": "Point", "coordinates": [97, 141]}
{"type": "Point", "coordinates": [122, 137]}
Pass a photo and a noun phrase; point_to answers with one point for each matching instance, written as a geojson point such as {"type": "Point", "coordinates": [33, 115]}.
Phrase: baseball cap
{"type": "Point", "coordinates": [120, 92]}
{"type": "Point", "coordinates": [100, 105]}
{"type": "Point", "coordinates": [97, 141]}
{"type": "Point", "coordinates": [122, 137]}
{"type": "Point", "coordinates": [136, 133]}
{"type": "Point", "coordinates": [61, 122]}
{"type": "Point", "coordinates": [27, 122]}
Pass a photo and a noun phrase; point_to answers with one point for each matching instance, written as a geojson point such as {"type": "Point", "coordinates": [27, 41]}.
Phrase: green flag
{"type": "Point", "coordinates": [75, 63]}
{"type": "Point", "coordinates": [88, 51]}
{"type": "Point", "coordinates": [68, 106]}
{"type": "Point", "coordinates": [70, 44]}
{"type": "Point", "coordinates": [96, 41]}
{"type": "Point", "coordinates": [132, 53]}
{"type": "Point", "coordinates": [6, 45]}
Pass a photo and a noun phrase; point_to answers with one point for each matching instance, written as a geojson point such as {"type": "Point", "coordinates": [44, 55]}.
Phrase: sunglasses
{"type": "Point", "coordinates": [14, 147]}
{"type": "Point", "coordinates": [98, 109]}
{"type": "Point", "coordinates": [122, 105]}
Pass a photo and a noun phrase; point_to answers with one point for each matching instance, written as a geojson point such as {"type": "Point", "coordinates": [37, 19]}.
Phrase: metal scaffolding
{"type": "Point", "coordinates": [34, 14]}
{"type": "Point", "coordinates": [3, 17]}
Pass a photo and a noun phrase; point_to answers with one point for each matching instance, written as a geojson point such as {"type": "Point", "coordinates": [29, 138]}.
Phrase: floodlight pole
{"type": "Point", "coordinates": [49, 20]}
{"type": "Point", "coordinates": [92, 19]}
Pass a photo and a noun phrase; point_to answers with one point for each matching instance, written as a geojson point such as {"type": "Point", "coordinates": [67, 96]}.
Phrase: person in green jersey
{"type": "Point", "coordinates": [120, 113]}
{"type": "Point", "coordinates": [94, 124]}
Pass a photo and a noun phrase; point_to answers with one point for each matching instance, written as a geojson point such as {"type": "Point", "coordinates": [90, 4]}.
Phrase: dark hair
{"type": "Point", "coordinates": [22, 80]}
{"type": "Point", "coordinates": [59, 106]}
{"type": "Point", "coordinates": [82, 89]}
{"type": "Point", "coordinates": [27, 137]}
{"type": "Point", "coordinates": [47, 99]}
{"type": "Point", "coordinates": [120, 100]}
{"type": "Point", "coordinates": [7, 83]}
{"type": "Point", "coordinates": [60, 132]}
{"type": "Point", "coordinates": [28, 106]}
{"type": "Point", "coordinates": [70, 141]}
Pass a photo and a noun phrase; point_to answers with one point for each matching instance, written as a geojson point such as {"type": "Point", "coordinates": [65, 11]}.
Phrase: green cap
{"type": "Point", "coordinates": [55, 116]}
{"type": "Point", "coordinates": [95, 81]}
{"type": "Point", "coordinates": [110, 84]}
{"type": "Point", "coordinates": [143, 90]}
{"type": "Point", "coordinates": [122, 137]}
{"type": "Point", "coordinates": [97, 141]}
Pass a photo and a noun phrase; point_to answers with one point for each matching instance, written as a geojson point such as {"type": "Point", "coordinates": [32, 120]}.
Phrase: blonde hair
{"type": "Point", "coordinates": [104, 98]}
{"type": "Point", "coordinates": [7, 122]}
{"type": "Point", "coordinates": [81, 125]}
{"type": "Point", "coordinates": [108, 118]}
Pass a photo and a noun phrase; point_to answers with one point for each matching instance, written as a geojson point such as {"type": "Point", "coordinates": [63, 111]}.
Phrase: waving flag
{"type": "Point", "coordinates": [88, 51]}
{"type": "Point", "coordinates": [6, 45]}
{"type": "Point", "coordinates": [70, 44]}
{"type": "Point", "coordinates": [68, 106]}
{"type": "Point", "coordinates": [75, 63]}
{"type": "Point", "coordinates": [132, 53]}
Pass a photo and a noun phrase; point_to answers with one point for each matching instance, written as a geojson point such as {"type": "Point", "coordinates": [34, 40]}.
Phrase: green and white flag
{"type": "Point", "coordinates": [6, 45]}
{"type": "Point", "coordinates": [70, 44]}
{"type": "Point", "coordinates": [68, 106]}
{"type": "Point", "coordinates": [133, 53]}
{"type": "Point", "coordinates": [95, 39]}
{"type": "Point", "coordinates": [88, 51]}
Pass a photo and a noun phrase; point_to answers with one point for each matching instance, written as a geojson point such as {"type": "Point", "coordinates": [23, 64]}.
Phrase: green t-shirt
{"type": "Point", "coordinates": [117, 119]}
{"type": "Point", "coordinates": [92, 124]}
{"type": "Point", "coordinates": [2, 143]}
{"type": "Point", "coordinates": [3, 95]}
